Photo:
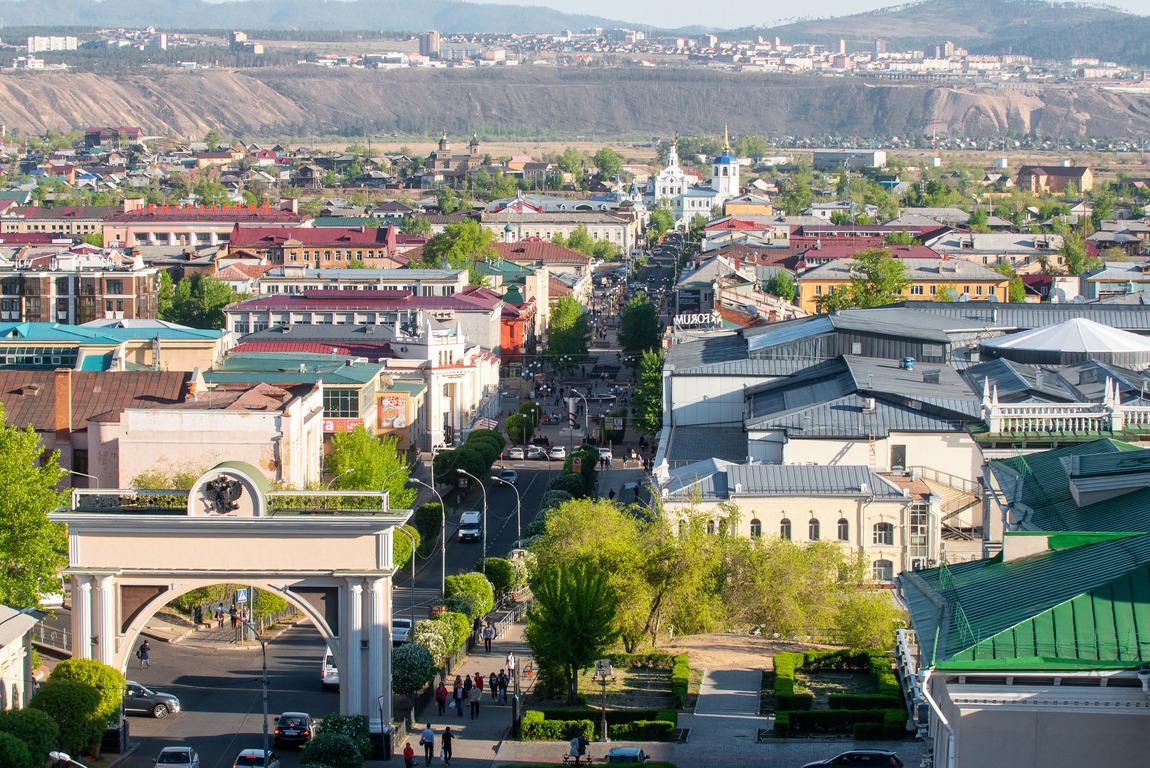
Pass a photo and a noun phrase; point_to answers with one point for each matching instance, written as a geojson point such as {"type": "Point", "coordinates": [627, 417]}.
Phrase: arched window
{"type": "Point", "coordinates": [844, 529]}
{"type": "Point", "coordinates": [711, 527]}
{"type": "Point", "coordinates": [882, 570]}
{"type": "Point", "coordinates": [785, 529]}
{"type": "Point", "coordinates": [813, 530]}
{"type": "Point", "coordinates": [884, 533]}
{"type": "Point", "coordinates": [756, 528]}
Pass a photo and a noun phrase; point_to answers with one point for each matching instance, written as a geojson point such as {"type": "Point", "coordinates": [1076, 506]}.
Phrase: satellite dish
{"type": "Point", "coordinates": [964, 297]}
{"type": "Point", "coordinates": [951, 294]}
{"type": "Point", "coordinates": [1078, 300]}
{"type": "Point", "coordinates": [992, 298]}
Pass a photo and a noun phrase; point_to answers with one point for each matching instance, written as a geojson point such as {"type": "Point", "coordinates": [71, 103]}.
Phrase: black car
{"type": "Point", "coordinates": [139, 700]}
{"type": "Point", "coordinates": [293, 728]}
{"type": "Point", "coordinates": [860, 758]}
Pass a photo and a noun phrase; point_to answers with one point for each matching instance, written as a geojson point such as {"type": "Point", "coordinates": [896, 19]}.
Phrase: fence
{"type": "Point", "coordinates": [52, 638]}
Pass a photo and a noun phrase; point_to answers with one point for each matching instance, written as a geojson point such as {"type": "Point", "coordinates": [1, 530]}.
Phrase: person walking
{"type": "Point", "coordinates": [143, 653]}
{"type": "Point", "coordinates": [468, 684]}
{"type": "Point", "coordinates": [479, 682]}
{"type": "Point", "coordinates": [441, 697]}
{"type": "Point", "coordinates": [510, 661]}
{"type": "Point", "coordinates": [493, 684]}
{"type": "Point", "coordinates": [457, 696]}
{"type": "Point", "coordinates": [488, 636]}
{"type": "Point", "coordinates": [504, 681]}
{"type": "Point", "coordinates": [446, 740]}
{"type": "Point", "coordinates": [473, 698]}
{"type": "Point", "coordinates": [408, 756]}
{"type": "Point", "coordinates": [428, 742]}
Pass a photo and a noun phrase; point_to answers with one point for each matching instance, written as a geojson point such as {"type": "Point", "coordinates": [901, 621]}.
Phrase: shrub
{"type": "Point", "coordinates": [782, 723]}
{"type": "Point", "coordinates": [651, 659]}
{"type": "Point", "coordinates": [428, 634]}
{"type": "Point", "coordinates": [33, 727]}
{"type": "Point", "coordinates": [882, 673]}
{"type": "Point", "coordinates": [669, 715]}
{"type": "Point", "coordinates": [499, 572]}
{"type": "Point", "coordinates": [14, 753]}
{"type": "Point", "coordinates": [680, 680]}
{"type": "Point", "coordinates": [554, 498]}
{"type": "Point", "coordinates": [456, 628]}
{"type": "Point", "coordinates": [105, 680]}
{"type": "Point", "coordinates": [411, 667]}
{"type": "Point", "coordinates": [463, 603]}
{"type": "Point", "coordinates": [614, 716]}
{"type": "Point", "coordinates": [354, 726]}
{"type": "Point", "coordinates": [832, 720]}
{"type": "Point", "coordinates": [72, 706]}
{"type": "Point", "coordinates": [569, 483]}
{"type": "Point", "coordinates": [402, 550]}
{"type": "Point", "coordinates": [786, 699]}
{"type": "Point", "coordinates": [428, 520]}
{"type": "Point", "coordinates": [643, 730]}
{"type": "Point", "coordinates": [335, 750]}
{"type": "Point", "coordinates": [475, 584]}
{"type": "Point", "coordinates": [488, 434]}
{"type": "Point", "coordinates": [536, 728]}
{"type": "Point", "coordinates": [864, 701]}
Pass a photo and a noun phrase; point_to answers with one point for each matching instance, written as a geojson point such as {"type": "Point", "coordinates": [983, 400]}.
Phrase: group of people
{"type": "Point", "coordinates": [470, 690]}
{"type": "Point", "coordinates": [427, 741]}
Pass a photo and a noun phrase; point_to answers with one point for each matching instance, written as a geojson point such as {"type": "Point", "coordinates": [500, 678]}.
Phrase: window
{"type": "Point", "coordinates": [933, 290]}
{"type": "Point", "coordinates": [813, 530]}
{"type": "Point", "coordinates": [80, 459]}
{"type": "Point", "coordinates": [884, 534]}
{"type": "Point", "coordinates": [818, 290]}
{"type": "Point", "coordinates": [710, 527]}
{"type": "Point", "coordinates": [785, 529]}
{"type": "Point", "coordinates": [919, 530]}
{"type": "Point", "coordinates": [756, 528]}
{"type": "Point", "coordinates": [882, 570]}
{"type": "Point", "coordinates": [916, 290]}
{"type": "Point", "coordinates": [844, 530]}
{"type": "Point", "coordinates": [978, 290]}
{"type": "Point", "coordinates": [340, 403]}
{"type": "Point", "coordinates": [114, 287]}
{"type": "Point", "coordinates": [856, 347]}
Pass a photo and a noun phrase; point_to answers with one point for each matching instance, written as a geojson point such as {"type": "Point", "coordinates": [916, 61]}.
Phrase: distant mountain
{"type": "Point", "coordinates": [1034, 28]}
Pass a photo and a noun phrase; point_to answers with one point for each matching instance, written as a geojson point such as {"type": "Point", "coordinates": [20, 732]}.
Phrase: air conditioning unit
{"type": "Point", "coordinates": [868, 405]}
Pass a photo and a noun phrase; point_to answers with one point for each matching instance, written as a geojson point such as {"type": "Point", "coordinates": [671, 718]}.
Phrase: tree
{"type": "Point", "coordinates": [639, 327]}
{"type": "Point", "coordinates": [1016, 293]}
{"type": "Point", "coordinates": [333, 750]}
{"type": "Point", "coordinates": [165, 293]}
{"type": "Point", "coordinates": [520, 427]}
{"type": "Point", "coordinates": [499, 572]}
{"type": "Point", "coordinates": [459, 245]}
{"type": "Point", "coordinates": [416, 225]}
{"type": "Point", "coordinates": [475, 584]}
{"type": "Point", "coordinates": [1074, 254]}
{"type": "Point", "coordinates": [782, 285]}
{"type": "Point", "coordinates": [568, 332]}
{"type": "Point", "coordinates": [660, 220]}
{"type": "Point", "coordinates": [867, 620]}
{"type": "Point", "coordinates": [108, 682]}
{"type": "Point", "coordinates": [404, 547]}
{"type": "Point", "coordinates": [411, 668]}
{"type": "Point", "coordinates": [647, 399]}
{"type": "Point", "coordinates": [360, 461]}
{"type": "Point", "coordinates": [32, 549]}
{"type": "Point", "coordinates": [198, 301]}
{"type": "Point", "coordinates": [14, 753]}
{"type": "Point", "coordinates": [212, 138]}
{"type": "Point", "coordinates": [72, 706]}
{"type": "Point", "coordinates": [428, 520]}
{"type": "Point", "coordinates": [354, 727]}
{"type": "Point", "coordinates": [32, 727]}
{"type": "Point", "coordinates": [902, 237]}
{"type": "Point", "coordinates": [571, 161]}
{"type": "Point", "coordinates": [608, 162]}
{"type": "Point", "coordinates": [572, 621]}
{"type": "Point", "coordinates": [877, 278]}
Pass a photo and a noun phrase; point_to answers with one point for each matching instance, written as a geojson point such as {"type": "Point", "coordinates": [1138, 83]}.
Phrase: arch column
{"type": "Point", "coordinates": [82, 617]}
{"type": "Point", "coordinates": [379, 652]}
{"type": "Point", "coordinates": [351, 682]}
{"type": "Point", "coordinates": [104, 618]}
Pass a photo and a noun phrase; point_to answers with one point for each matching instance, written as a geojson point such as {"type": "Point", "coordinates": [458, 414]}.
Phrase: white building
{"type": "Point", "coordinates": [689, 199]}
{"type": "Point", "coordinates": [16, 656]}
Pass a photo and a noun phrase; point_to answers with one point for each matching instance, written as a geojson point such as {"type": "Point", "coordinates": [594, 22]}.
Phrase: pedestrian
{"type": "Point", "coordinates": [473, 698]}
{"type": "Point", "coordinates": [446, 740]}
{"type": "Point", "coordinates": [235, 616]}
{"type": "Point", "coordinates": [479, 681]}
{"type": "Point", "coordinates": [510, 665]}
{"type": "Point", "coordinates": [493, 684]}
{"type": "Point", "coordinates": [488, 636]}
{"type": "Point", "coordinates": [504, 680]}
{"type": "Point", "coordinates": [468, 684]}
{"type": "Point", "coordinates": [142, 654]}
{"type": "Point", "coordinates": [457, 696]}
{"type": "Point", "coordinates": [476, 627]}
{"type": "Point", "coordinates": [220, 619]}
{"type": "Point", "coordinates": [441, 697]}
{"type": "Point", "coordinates": [428, 742]}
{"type": "Point", "coordinates": [408, 756]}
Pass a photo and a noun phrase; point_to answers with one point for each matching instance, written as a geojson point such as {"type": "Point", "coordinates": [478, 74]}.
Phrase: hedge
{"type": "Point", "coordinates": [864, 701]}
{"type": "Point", "coordinates": [893, 727]}
{"type": "Point", "coordinates": [643, 730]}
{"type": "Point", "coordinates": [614, 716]}
{"type": "Point", "coordinates": [784, 689]}
{"type": "Point", "coordinates": [652, 660]}
{"type": "Point", "coordinates": [680, 680]}
{"type": "Point", "coordinates": [535, 727]}
{"type": "Point", "coordinates": [824, 720]}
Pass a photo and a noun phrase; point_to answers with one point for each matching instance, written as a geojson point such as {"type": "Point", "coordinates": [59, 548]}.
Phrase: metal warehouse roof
{"type": "Point", "coordinates": [1132, 317]}
{"type": "Point", "coordinates": [1083, 603]}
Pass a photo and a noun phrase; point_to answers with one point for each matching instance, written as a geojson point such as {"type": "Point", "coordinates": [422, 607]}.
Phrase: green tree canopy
{"type": "Point", "coordinates": [459, 246]}
{"type": "Point", "coordinates": [198, 301]}
{"type": "Point", "coordinates": [877, 278]}
{"type": "Point", "coordinates": [568, 332]}
{"type": "Point", "coordinates": [72, 706]}
{"type": "Point", "coordinates": [108, 682]}
{"type": "Point", "coordinates": [647, 399]}
{"type": "Point", "coordinates": [34, 728]}
{"type": "Point", "coordinates": [32, 549]}
{"type": "Point", "coordinates": [608, 162]}
{"type": "Point", "coordinates": [782, 285]}
{"type": "Point", "coordinates": [416, 225]}
{"type": "Point", "coordinates": [660, 220]}
{"type": "Point", "coordinates": [360, 461]}
{"type": "Point", "coordinates": [639, 327]}
{"type": "Point", "coordinates": [475, 584]}
{"type": "Point", "coordinates": [520, 428]}
{"type": "Point", "coordinates": [572, 620]}
{"type": "Point", "coordinates": [1016, 294]}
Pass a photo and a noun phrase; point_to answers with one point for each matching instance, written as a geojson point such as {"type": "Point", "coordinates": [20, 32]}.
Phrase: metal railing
{"type": "Point", "coordinates": [52, 638]}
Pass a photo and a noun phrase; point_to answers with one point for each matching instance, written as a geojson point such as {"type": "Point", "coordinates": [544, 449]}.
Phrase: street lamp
{"type": "Point", "coordinates": [66, 758]}
{"type": "Point", "coordinates": [604, 674]}
{"type": "Point", "coordinates": [586, 411]}
{"type": "Point", "coordinates": [518, 506]}
{"type": "Point", "coordinates": [442, 536]}
{"type": "Point", "coordinates": [264, 675]}
{"type": "Point", "coordinates": [337, 477]}
{"type": "Point", "coordinates": [483, 562]}
{"type": "Point", "coordinates": [90, 477]}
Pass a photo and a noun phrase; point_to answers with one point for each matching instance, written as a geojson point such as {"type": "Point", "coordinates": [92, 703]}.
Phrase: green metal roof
{"type": "Point", "coordinates": [101, 334]}
{"type": "Point", "coordinates": [508, 269]}
{"type": "Point", "coordinates": [1038, 487]}
{"type": "Point", "coordinates": [292, 368]}
{"type": "Point", "coordinates": [410, 387]}
{"type": "Point", "coordinates": [1083, 603]}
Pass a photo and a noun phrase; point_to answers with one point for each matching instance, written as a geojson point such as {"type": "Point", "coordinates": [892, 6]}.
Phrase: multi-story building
{"type": "Point", "coordinates": [318, 247]}
{"type": "Point", "coordinates": [617, 227]}
{"type": "Point", "coordinates": [77, 285]}
{"type": "Point", "coordinates": [419, 282]}
{"type": "Point", "coordinates": [65, 221]}
{"type": "Point", "coordinates": [141, 224]}
{"type": "Point", "coordinates": [1055, 179]}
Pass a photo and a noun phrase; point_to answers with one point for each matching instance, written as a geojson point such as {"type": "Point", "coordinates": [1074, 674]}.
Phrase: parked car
{"type": "Point", "coordinates": [515, 453]}
{"type": "Point", "coordinates": [293, 728]}
{"type": "Point", "coordinates": [557, 453]}
{"type": "Point", "coordinates": [177, 757]}
{"type": "Point", "coordinates": [625, 755]}
{"type": "Point", "coordinates": [605, 453]}
{"type": "Point", "coordinates": [536, 452]}
{"type": "Point", "coordinates": [329, 676]}
{"type": "Point", "coordinates": [470, 525]}
{"type": "Point", "coordinates": [400, 631]}
{"type": "Point", "coordinates": [256, 758]}
{"type": "Point", "coordinates": [870, 758]}
{"type": "Point", "coordinates": [139, 700]}
{"type": "Point", "coordinates": [509, 476]}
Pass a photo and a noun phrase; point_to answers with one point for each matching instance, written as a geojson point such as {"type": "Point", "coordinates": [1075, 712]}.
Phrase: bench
{"type": "Point", "coordinates": [576, 759]}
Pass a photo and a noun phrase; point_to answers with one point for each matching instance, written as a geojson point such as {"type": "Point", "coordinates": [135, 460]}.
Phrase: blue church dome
{"type": "Point", "coordinates": [725, 159]}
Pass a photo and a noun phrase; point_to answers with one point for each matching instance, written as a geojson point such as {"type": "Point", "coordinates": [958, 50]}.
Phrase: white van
{"type": "Point", "coordinates": [329, 678]}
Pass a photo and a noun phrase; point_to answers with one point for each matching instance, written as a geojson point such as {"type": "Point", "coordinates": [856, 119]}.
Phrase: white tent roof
{"type": "Point", "coordinates": [1077, 335]}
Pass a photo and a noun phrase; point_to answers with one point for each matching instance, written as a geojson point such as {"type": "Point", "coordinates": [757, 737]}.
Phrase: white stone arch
{"type": "Point", "coordinates": [329, 553]}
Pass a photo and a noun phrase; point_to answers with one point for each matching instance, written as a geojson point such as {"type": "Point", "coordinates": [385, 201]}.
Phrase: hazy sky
{"type": "Point", "coordinates": [727, 14]}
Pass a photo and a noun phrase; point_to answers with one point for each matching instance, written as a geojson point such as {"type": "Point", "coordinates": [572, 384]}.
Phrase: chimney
{"type": "Point", "coordinates": [289, 204]}
{"type": "Point", "coordinates": [63, 410]}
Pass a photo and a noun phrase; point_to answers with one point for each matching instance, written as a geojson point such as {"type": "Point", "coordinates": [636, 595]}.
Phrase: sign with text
{"type": "Point", "coordinates": [700, 320]}
{"type": "Point", "coordinates": [340, 425]}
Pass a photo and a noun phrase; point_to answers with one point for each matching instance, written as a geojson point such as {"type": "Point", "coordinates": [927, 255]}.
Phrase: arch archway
{"type": "Point", "coordinates": [329, 553]}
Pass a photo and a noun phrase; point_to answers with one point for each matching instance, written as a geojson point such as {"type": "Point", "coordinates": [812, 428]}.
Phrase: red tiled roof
{"type": "Point", "coordinates": [29, 397]}
{"type": "Point", "coordinates": [740, 319]}
{"type": "Point", "coordinates": [99, 212]}
{"type": "Point", "coordinates": [313, 347]}
{"type": "Point", "coordinates": [837, 251]}
{"type": "Point", "coordinates": [314, 237]}
{"type": "Point", "coordinates": [320, 300]}
{"type": "Point", "coordinates": [735, 224]}
{"type": "Point", "coordinates": [540, 250]}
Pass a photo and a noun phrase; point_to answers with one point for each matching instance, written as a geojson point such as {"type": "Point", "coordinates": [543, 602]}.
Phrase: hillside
{"type": "Point", "coordinates": [537, 101]}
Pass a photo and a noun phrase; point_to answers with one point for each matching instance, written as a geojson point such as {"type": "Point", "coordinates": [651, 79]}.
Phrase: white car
{"type": "Point", "coordinates": [558, 453]}
{"type": "Point", "coordinates": [177, 757]}
{"type": "Point", "coordinates": [400, 631]}
{"type": "Point", "coordinates": [515, 453]}
{"type": "Point", "coordinates": [536, 452]}
{"type": "Point", "coordinates": [256, 758]}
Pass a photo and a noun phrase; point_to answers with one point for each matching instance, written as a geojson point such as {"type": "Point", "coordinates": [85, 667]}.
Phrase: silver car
{"type": "Point", "coordinates": [177, 757]}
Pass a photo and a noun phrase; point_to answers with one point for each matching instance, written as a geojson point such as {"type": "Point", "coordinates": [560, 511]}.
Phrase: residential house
{"type": "Point", "coordinates": [16, 656]}
{"type": "Point", "coordinates": [318, 247]}
{"type": "Point", "coordinates": [141, 224]}
{"type": "Point", "coordinates": [1055, 179]}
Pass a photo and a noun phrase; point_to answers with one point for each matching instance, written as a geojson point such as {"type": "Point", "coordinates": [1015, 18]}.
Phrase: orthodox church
{"type": "Point", "coordinates": [688, 195]}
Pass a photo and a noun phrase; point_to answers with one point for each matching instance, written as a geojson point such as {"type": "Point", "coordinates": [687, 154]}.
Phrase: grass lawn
{"type": "Point", "coordinates": [823, 684]}
{"type": "Point", "coordinates": [634, 688]}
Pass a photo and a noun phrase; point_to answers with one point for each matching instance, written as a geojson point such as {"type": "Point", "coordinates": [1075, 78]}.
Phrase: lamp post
{"type": "Point", "coordinates": [66, 758]}
{"type": "Point", "coordinates": [90, 477]}
{"type": "Point", "coordinates": [337, 477]}
{"type": "Point", "coordinates": [586, 411]}
{"type": "Point", "coordinates": [604, 674]}
{"type": "Point", "coordinates": [518, 507]}
{"type": "Point", "coordinates": [442, 536]}
{"type": "Point", "coordinates": [264, 675]}
{"type": "Point", "coordinates": [483, 562]}
{"type": "Point", "coordinates": [411, 536]}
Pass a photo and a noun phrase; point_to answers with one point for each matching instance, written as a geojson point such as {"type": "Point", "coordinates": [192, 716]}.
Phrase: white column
{"type": "Point", "coordinates": [105, 618]}
{"type": "Point", "coordinates": [351, 677]}
{"type": "Point", "coordinates": [378, 652]}
{"type": "Point", "coordinates": [82, 618]}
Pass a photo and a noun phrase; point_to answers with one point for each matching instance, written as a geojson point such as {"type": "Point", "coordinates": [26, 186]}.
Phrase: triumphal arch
{"type": "Point", "coordinates": [329, 553]}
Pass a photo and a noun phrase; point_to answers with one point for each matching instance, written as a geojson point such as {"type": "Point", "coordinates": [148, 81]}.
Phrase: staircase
{"type": "Point", "coordinates": [956, 495]}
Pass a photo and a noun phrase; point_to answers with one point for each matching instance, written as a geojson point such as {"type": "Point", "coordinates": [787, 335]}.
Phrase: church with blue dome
{"type": "Point", "coordinates": [688, 195]}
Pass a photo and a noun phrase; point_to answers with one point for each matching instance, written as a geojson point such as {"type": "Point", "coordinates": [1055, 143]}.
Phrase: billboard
{"type": "Point", "coordinates": [393, 411]}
